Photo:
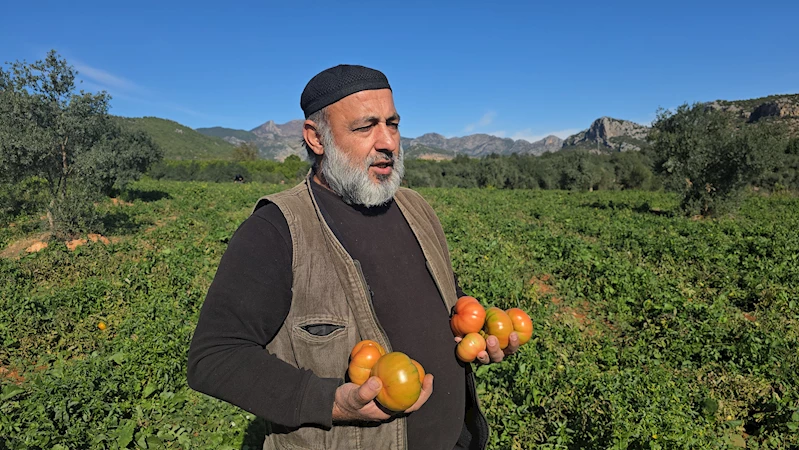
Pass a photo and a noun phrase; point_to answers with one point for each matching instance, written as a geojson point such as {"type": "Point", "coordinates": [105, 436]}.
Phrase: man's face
{"type": "Point", "coordinates": [362, 158]}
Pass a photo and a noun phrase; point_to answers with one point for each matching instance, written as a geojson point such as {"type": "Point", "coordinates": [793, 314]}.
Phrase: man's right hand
{"type": "Point", "coordinates": [356, 403]}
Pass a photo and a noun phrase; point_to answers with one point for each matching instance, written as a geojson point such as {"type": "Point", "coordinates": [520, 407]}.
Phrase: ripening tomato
{"type": "Point", "coordinates": [361, 364]}
{"type": "Point", "coordinates": [468, 316]}
{"type": "Point", "coordinates": [470, 346]}
{"type": "Point", "coordinates": [401, 382]}
{"type": "Point", "coordinates": [498, 324]}
{"type": "Point", "coordinates": [420, 369]}
{"type": "Point", "coordinates": [366, 343]}
{"type": "Point", "coordinates": [522, 324]}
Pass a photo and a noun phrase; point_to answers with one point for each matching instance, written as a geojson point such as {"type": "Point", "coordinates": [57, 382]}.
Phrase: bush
{"type": "Point", "coordinates": [708, 159]}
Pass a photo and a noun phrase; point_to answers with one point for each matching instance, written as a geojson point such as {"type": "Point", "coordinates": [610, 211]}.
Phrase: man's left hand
{"type": "Point", "coordinates": [494, 354]}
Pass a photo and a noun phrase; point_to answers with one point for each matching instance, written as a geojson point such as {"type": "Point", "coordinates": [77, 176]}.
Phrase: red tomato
{"type": "Point", "coordinates": [498, 324]}
{"type": "Point", "coordinates": [468, 316]}
{"type": "Point", "coordinates": [361, 364]}
{"type": "Point", "coordinates": [401, 382]}
{"type": "Point", "coordinates": [522, 324]}
{"type": "Point", "coordinates": [470, 346]}
{"type": "Point", "coordinates": [366, 343]}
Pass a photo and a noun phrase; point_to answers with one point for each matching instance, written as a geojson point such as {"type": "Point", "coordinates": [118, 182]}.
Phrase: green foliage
{"type": "Point", "coordinates": [651, 330]}
{"type": "Point", "coordinates": [292, 169]}
{"type": "Point", "coordinates": [49, 132]}
{"type": "Point", "coordinates": [180, 141]}
{"type": "Point", "coordinates": [221, 132]}
{"type": "Point", "coordinates": [245, 151]}
{"type": "Point", "coordinates": [569, 170]}
{"type": "Point", "coordinates": [709, 160]}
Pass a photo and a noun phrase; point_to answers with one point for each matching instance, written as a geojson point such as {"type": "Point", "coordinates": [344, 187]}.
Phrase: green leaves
{"type": "Point", "coordinates": [650, 329]}
{"type": "Point", "coordinates": [10, 391]}
{"type": "Point", "coordinates": [49, 131]}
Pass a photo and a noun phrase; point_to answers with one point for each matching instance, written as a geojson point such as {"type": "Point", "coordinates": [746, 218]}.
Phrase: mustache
{"type": "Point", "coordinates": [380, 157]}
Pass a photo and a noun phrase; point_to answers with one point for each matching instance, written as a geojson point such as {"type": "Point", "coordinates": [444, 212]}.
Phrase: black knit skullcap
{"type": "Point", "coordinates": [335, 83]}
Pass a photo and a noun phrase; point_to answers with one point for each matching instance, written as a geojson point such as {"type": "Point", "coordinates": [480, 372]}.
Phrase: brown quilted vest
{"type": "Point", "coordinates": [329, 288]}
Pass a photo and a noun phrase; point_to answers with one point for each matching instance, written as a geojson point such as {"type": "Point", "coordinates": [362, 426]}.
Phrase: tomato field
{"type": "Point", "coordinates": [651, 330]}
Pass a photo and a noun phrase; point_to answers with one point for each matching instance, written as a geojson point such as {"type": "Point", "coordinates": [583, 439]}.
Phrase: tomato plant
{"type": "Point", "coordinates": [468, 316]}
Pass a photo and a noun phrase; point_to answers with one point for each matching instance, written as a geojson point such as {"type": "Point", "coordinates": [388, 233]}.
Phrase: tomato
{"type": "Point", "coordinates": [401, 382]}
{"type": "Point", "coordinates": [470, 346]}
{"type": "Point", "coordinates": [420, 369]}
{"type": "Point", "coordinates": [522, 324]}
{"type": "Point", "coordinates": [468, 316]}
{"type": "Point", "coordinates": [366, 343]}
{"type": "Point", "coordinates": [361, 364]}
{"type": "Point", "coordinates": [101, 326]}
{"type": "Point", "coordinates": [498, 324]}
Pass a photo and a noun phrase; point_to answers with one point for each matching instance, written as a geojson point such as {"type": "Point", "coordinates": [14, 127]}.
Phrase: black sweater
{"type": "Point", "coordinates": [250, 298]}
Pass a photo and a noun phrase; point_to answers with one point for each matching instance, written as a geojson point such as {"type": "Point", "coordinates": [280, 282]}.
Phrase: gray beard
{"type": "Point", "coordinates": [351, 180]}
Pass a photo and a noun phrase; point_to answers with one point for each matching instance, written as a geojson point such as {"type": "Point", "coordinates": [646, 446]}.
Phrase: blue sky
{"type": "Point", "coordinates": [514, 69]}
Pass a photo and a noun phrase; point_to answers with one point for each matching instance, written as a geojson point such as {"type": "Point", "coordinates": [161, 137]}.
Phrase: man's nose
{"type": "Point", "coordinates": [387, 138]}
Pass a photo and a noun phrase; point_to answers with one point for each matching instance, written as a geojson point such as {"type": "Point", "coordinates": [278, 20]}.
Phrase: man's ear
{"type": "Point", "coordinates": [312, 137]}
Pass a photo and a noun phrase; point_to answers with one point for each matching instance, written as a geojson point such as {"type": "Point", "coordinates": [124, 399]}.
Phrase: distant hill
{"type": "Point", "coordinates": [778, 108]}
{"type": "Point", "coordinates": [228, 134]}
{"type": "Point", "coordinates": [478, 145]}
{"type": "Point", "coordinates": [179, 141]}
{"type": "Point", "coordinates": [607, 134]}
{"type": "Point", "coordinates": [274, 141]}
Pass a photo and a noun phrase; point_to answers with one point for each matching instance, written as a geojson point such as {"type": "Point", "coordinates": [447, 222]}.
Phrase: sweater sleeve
{"type": "Point", "coordinates": [245, 307]}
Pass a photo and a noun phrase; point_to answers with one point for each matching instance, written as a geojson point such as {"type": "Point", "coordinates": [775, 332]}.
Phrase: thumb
{"type": "Point", "coordinates": [367, 392]}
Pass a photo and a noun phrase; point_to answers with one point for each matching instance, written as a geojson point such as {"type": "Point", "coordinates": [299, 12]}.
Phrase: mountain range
{"type": "Point", "coordinates": [277, 141]}
{"type": "Point", "coordinates": [606, 134]}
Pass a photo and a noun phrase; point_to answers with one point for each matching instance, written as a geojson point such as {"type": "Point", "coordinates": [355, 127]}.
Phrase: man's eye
{"type": "Point", "coordinates": [366, 128]}
{"type": "Point", "coordinates": [394, 125]}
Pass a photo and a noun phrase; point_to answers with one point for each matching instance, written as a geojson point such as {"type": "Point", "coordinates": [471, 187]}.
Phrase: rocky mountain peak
{"type": "Point", "coordinates": [781, 108]}
{"type": "Point", "coordinates": [611, 133]}
{"type": "Point", "coordinates": [270, 129]}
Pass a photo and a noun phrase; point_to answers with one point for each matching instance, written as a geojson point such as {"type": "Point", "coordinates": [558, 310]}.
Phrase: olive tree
{"type": "Point", "coordinates": [51, 132]}
{"type": "Point", "coordinates": [709, 158]}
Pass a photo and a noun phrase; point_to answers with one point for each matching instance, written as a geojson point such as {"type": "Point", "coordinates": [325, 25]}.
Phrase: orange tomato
{"type": "Point", "coordinates": [366, 343]}
{"type": "Point", "coordinates": [470, 346]}
{"type": "Point", "coordinates": [498, 324]}
{"type": "Point", "coordinates": [522, 324]}
{"type": "Point", "coordinates": [420, 369]}
{"type": "Point", "coordinates": [361, 364]}
{"type": "Point", "coordinates": [402, 384]}
{"type": "Point", "coordinates": [468, 316]}
{"type": "Point", "coordinates": [102, 326]}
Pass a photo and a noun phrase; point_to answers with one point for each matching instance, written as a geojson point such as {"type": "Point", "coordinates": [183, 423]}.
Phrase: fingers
{"type": "Point", "coordinates": [366, 393]}
{"type": "Point", "coordinates": [513, 344]}
{"type": "Point", "coordinates": [427, 391]}
{"type": "Point", "coordinates": [494, 352]}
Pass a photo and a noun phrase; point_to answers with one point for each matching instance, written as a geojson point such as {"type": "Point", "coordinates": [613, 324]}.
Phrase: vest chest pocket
{"type": "Point", "coordinates": [322, 344]}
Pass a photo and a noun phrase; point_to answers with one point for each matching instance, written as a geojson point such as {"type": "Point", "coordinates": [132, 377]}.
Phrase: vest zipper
{"type": "Point", "coordinates": [368, 292]}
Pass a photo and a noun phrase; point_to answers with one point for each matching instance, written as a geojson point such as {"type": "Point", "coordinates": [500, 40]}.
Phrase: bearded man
{"type": "Point", "coordinates": [346, 255]}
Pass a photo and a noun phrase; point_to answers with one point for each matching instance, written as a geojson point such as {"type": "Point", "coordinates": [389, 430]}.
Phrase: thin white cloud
{"type": "Point", "coordinates": [530, 136]}
{"type": "Point", "coordinates": [485, 120]}
{"type": "Point", "coordinates": [119, 87]}
{"type": "Point", "coordinates": [108, 81]}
